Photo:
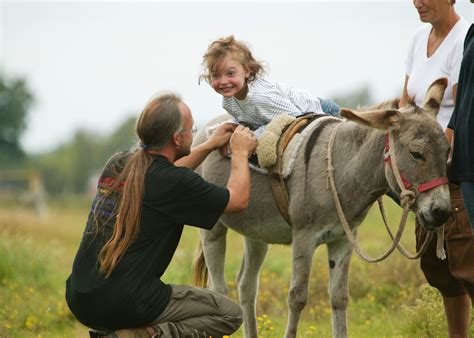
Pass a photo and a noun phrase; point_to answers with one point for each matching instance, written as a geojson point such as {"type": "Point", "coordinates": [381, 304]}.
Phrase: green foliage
{"type": "Point", "coordinates": [68, 169]}
{"type": "Point", "coordinates": [426, 317]}
{"type": "Point", "coordinates": [357, 98]}
{"type": "Point", "coordinates": [15, 101]}
{"type": "Point", "coordinates": [31, 292]}
{"type": "Point", "coordinates": [385, 298]}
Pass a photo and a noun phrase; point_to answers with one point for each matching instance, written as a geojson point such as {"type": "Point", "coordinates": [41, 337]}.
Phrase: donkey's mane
{"type": "Point", "coordinates": [389, 104]}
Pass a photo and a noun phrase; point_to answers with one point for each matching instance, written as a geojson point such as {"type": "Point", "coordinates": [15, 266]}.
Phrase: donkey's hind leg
{"type": "Point", "coordinates": [303, 247]}
{"type": "Point", "coordinates": [339, 258]}
{"type": "Point", "coordinates": [214, 246]}
{"type": "Point", "coordinates": [247, 282]}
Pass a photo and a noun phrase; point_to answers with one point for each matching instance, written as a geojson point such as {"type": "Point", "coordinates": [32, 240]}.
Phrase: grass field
{"type": "Point", "coordinates": [388, 299]}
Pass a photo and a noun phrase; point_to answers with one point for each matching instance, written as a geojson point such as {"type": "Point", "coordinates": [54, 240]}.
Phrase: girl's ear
{"type": "Point", "coordinates": [247, 72]}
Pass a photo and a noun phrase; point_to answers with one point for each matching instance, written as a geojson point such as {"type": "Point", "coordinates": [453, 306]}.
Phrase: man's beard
{"type": "Point", "coordinates": [182, 152]}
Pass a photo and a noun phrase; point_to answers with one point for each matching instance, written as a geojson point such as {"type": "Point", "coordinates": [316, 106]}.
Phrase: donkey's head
{"type": "Point", "coordinates": [420, 152]}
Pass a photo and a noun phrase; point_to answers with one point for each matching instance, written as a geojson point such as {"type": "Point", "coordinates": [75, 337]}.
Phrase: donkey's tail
{"type": "Point", "coordinates": [200, 271]}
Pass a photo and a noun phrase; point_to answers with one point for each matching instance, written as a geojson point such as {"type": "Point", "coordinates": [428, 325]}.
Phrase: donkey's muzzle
{"type": "Point", "coordinates": [435, 217]}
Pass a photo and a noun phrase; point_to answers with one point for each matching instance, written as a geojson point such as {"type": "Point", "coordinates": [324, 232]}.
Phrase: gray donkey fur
{"type": "Point", "coordinates": [360, 177]}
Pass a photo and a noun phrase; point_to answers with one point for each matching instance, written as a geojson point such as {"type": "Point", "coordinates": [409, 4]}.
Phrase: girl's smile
{"type": "Point", "coordinates": [229, 78]}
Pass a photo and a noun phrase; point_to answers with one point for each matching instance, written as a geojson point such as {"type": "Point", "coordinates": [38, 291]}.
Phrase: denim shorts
{"type": "Point", "coordinates": [330, 107]}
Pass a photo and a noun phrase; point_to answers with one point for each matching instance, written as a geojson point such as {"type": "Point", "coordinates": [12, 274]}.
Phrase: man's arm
{"type": "Point", "coordinates": [243, 144]}
{"type": "Point", "coordinates": [219, 138]}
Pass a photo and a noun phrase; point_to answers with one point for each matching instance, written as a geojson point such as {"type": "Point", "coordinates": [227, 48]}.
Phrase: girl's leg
{"type": "Point", "coordinates": [330, 107]}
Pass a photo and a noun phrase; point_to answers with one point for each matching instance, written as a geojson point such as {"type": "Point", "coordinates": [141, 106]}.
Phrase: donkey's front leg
{"type": "Point", "coordinates": [247, 282]}
{"type": "Point", "coordinates": [303, 247]}
{"type": "Point", "coordinates": [214, 246]}
{"type": "Point", "coordinates": [339, 258]}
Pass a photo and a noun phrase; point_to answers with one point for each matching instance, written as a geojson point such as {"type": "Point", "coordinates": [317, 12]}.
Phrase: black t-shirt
{"type": "Point", "coordinates": [462, 120]}
{"type": "Point", "coordinates": [134, 295]}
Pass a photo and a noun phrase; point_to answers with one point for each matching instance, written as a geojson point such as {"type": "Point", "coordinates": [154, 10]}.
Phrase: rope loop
{"type": "Point", "coordinates": [407, 198]}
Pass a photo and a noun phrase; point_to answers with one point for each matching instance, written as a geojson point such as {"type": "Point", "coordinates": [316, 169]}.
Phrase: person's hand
{"type": "Point", "coordinates": [243, 141]}
{"type": "Point", "coordinates": [225, 150]}
{"type": "Point", "coordinates": [221, 136]}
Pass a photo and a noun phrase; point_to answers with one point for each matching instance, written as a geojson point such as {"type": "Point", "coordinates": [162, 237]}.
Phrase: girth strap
{"type": "Point", "coordinates": [278, 183]}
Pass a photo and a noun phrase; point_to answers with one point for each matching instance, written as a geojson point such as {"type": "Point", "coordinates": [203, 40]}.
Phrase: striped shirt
{"type": "Point", "coordinates": [265, 100]}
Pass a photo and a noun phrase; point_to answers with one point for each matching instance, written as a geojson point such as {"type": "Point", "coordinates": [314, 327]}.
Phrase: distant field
{"type": "Point", "coordinates": [388, 299]}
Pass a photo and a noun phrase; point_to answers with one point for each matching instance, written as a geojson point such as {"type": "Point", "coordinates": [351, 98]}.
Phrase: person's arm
{"type": "Point", "coordinates": [219, 138]}
{"type": "Point", "coordinates": [243, 144]}
{"type": "Point", "coordinates": [449, 133]}
{"type": "Point", "coordinates": [405, 98]}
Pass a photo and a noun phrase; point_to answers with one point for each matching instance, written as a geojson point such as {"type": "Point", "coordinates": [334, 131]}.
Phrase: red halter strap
{"type": "Point", "coordinates": [408, 185]}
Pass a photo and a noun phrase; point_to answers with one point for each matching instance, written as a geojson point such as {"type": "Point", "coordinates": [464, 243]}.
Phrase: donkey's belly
{"type": "Point", "coordinates": [260, 227]}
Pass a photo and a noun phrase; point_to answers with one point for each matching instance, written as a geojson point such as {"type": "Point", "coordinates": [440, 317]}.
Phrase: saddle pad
{"type": "Point", "coordinates": [289, 156]}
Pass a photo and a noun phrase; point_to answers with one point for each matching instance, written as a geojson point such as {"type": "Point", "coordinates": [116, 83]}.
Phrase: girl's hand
{"type": "Point", "coordinates": [222, 135]}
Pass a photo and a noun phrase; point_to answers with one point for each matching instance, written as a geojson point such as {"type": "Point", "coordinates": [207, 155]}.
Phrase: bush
{"type": "Point", "coordinates": [426, 317]}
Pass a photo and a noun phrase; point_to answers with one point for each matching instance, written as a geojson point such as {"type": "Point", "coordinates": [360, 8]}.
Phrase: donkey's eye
{"type": "Point", "coordinates": [416, 155]}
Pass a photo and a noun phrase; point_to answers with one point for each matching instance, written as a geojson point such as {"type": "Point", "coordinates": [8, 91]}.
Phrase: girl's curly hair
{"type": "Point", "coordinates": [222, 47]}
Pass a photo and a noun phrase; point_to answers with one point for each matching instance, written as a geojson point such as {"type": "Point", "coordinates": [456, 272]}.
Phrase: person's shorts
{"type": "Point", "coordinates": [453, 276]}
{"type": "Point", "coordinates": [330, 107]}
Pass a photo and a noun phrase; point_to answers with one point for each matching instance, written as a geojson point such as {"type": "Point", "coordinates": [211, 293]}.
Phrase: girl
{"type": "Point", "coordinates": [233, 72]}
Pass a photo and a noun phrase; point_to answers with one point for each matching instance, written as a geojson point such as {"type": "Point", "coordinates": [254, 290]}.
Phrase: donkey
{"type": "Point", "coordinates": [361, 177]}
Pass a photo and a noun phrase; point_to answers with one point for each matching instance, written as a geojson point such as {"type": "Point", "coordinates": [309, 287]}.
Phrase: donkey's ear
{"type": "Point", "coordinates": [380, 119]}
{"type": "Point", "coordinates": [434, 96]}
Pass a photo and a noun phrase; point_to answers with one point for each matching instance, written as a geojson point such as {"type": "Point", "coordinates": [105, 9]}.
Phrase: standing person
{"type": "Point", "coordinates": [143, 200]}
{"type": "Point", "coordinates": [461, 170]}
{"type": "Point", "coordinates": [233, 72]}
{"type": "Point", "coordinates": [436, 51]}
{"type": "Point", "coordinates": [462, 122]}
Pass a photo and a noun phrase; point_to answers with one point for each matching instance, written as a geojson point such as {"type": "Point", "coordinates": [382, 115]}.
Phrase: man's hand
{"type": "Point", "coordinates": [221, 136]}
{"type": "Point", "coordinates": [243, 141]}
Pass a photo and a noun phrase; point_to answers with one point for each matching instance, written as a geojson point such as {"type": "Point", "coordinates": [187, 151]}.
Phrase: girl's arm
{"type": "Point", "coordinates": [219, 138]}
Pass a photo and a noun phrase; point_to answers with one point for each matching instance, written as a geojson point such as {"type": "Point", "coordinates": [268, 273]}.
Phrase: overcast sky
{"type": "Point", "coordinates": [92, 64]}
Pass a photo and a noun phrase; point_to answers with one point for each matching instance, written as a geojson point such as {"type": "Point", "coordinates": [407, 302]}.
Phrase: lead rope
{"type": "Point", "coordinates": [440, 252]}
{"type": "Point", "coordinates": [400, 248]}
{"type": "Point", "coordinates": [342, 218]}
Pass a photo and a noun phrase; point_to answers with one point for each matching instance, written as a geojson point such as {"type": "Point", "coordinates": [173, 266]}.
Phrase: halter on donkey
{"type": "Point", "coordinates": [359, 172]}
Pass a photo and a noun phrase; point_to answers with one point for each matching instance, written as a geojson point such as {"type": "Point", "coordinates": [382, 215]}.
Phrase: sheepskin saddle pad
{"type": "Point", "coordinates": [267, 144]}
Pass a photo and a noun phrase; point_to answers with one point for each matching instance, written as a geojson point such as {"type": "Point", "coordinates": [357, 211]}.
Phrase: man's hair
{"type": "Point", "coordinates": [160, 119]}
{"type": "Point", "coordinates": [155, 126]}
{"type": "Point", "coordinates": [222, 47]}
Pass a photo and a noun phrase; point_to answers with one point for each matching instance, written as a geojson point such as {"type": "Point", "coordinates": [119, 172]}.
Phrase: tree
{"type": "Point", "coordinates": [357, 98]}
{"type": "Point", "coordinates": [15, 102]}
{"type": "Point", "coordinates": [68, 168]}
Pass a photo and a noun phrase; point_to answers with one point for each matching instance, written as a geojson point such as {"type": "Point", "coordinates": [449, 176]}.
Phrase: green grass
{"type": "Point", "coordinates": [388, 299]}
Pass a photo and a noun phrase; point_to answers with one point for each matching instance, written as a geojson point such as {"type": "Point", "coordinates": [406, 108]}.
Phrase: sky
{"type": "Point", "coordinates": [93, 64]}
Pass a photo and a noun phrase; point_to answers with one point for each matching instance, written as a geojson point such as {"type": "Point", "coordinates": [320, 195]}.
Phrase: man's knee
{"type": "Point", "coordinates": [233, 310]}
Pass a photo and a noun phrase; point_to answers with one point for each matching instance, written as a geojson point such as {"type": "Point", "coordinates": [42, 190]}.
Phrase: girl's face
{"type": "Point", "coordinates": [229, 78]}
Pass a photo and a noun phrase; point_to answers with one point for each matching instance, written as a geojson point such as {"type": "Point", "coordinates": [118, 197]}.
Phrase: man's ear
{"type": "Point", "coordinates": [176, 139]}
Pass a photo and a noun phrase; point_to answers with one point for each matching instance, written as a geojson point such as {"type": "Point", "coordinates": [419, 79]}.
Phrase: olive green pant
{"type": "Point", "coordinates": [196, 312]}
